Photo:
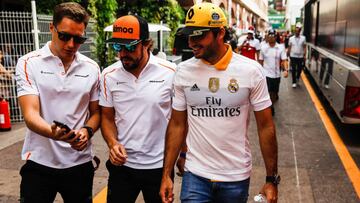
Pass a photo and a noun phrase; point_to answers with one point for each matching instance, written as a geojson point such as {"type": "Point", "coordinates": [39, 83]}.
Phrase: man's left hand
{"type": "Point", "coordinates": [270, 191]}
{"type": "Point", "coordinates": [82, 140]}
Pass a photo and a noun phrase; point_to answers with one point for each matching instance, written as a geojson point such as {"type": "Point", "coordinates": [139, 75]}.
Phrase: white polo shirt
{"type": "Point", "coordinates": [63, 97]}
{"type": "Point", "coordinates": [142, 109]}
{"type": "Point", "coordinates": [218, 104]}
{"type": "Point", "coordinates": [272, 57]}
{"type": "Point", "coordinates": [297, 46]}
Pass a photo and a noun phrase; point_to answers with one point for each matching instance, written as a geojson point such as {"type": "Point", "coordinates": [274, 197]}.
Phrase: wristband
{"type": "Point", "coordinates": [89, 130]}
{"type": "Point", "coordinates": [183, 155]}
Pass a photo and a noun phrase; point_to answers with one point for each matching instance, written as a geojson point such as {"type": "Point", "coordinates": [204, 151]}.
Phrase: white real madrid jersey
{"type": "Point", "coordinates": [218, 103]}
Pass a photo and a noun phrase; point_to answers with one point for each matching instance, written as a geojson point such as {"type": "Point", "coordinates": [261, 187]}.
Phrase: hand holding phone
{"type": "Point", "coordinates": [67, 129]}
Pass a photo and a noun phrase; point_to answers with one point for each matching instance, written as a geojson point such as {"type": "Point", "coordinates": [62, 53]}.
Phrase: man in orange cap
{"type": "Point", "coordinates": [214, 94]}
{"type": "Point", "coordinates": [136, 105]}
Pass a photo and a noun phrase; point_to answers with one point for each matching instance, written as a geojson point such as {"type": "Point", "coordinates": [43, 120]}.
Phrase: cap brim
{"type": "Point", "coordinates": [121, 41]}
{"type": "Point", "coordinates": [193, 31]}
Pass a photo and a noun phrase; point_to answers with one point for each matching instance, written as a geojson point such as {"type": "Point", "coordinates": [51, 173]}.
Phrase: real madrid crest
{"type": "Point", "coordinates": [233, 86]}
{"type": "Point", "coordinates": [214, 84]}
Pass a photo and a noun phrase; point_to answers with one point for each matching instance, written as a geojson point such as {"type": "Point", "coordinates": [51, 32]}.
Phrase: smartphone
{"type": "Point", "coordinates": [67, 129]}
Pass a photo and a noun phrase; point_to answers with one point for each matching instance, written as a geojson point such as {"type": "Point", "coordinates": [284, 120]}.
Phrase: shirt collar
{"type": "Point", "coordinates": [223, 63]}
{"type": "Point", "coordinates": [46, 52]}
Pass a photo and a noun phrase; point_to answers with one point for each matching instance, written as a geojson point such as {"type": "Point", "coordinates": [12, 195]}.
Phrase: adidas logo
{"type": "Point", "coordinates": [195, 88]}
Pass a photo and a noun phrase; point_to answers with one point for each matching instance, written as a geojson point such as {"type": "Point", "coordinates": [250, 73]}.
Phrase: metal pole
{"type": "Point", "coordinates": [161, 36]}
{"type": "Point", "coordinates": [35, 30]}
{"type": "Point", "coordinates": [229, 12]}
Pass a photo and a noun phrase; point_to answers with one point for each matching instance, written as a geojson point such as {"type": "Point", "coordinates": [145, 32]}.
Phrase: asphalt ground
{"type": "Point", "coordinates": [309, 164]}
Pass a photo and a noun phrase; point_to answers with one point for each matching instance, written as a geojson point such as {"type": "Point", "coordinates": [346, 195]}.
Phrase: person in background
{"type": "Point", "coordinates": [214, 94]}
{"type": "Point", "coordinates": [57, 83]}
{"type": "Point", "coordinates": [136, 95]}
{"type": "Point", "coordinates": [274, 60]}
{"type": "Point", "coordinates": [297, 53]}
{"type": "Point", "coordinates": [250, 46]}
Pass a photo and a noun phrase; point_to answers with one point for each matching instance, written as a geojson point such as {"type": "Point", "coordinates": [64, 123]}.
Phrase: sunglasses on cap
{"type": "Point", "coordinates": [128, 47]}
{"type": "Point", "coordinates": [65, 37]}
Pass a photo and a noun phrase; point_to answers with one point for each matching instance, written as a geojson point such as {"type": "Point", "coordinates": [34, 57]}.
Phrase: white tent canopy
{"type": "Point", "coordinates": [152, 28]}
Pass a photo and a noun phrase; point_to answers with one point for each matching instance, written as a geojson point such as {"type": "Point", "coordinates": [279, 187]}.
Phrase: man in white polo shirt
{"type": "Point", "coordinates": [214, 94]}
{"type": "Point", "coordinates": [58, 83]}
{"type": "Point", "coordinates": [136, 104]}
{"type": "Point", "coordinates": [274, 60]}
{"type": "Point", "coordinates": [297, 53]}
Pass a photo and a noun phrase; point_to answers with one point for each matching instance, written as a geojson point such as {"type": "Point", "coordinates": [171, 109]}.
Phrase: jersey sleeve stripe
{"type": "Point", "coordinates": [25, 68]}
{"type": "Point", "coordinates": [173, 69]}
{"type": "Point", "coordinates": [105, 92]}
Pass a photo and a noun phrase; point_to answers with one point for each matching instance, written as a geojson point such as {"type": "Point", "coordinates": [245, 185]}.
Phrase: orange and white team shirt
{"type": "Point", "coordinates": [63, 96]}
{"type": "Point", "coordinates": [142, 109]}
{"type": "Point", "coordinates": [218, 100]}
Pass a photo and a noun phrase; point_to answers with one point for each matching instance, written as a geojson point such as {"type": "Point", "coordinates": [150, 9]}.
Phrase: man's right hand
{"type": "Point", "coordinates": [166, 190]}
{"type": "Point", "coordinates": [117, 154]}
{"type": "Point", "coordinates": [61, 135]}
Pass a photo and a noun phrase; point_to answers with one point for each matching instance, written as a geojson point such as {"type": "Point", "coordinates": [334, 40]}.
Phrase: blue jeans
{"type": "Point", "coordinates": [196, 189]}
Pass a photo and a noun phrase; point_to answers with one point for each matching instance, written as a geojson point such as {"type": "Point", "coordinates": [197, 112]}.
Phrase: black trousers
{"type": "Point", "coordinates": [125, 184]}
{"type": "Point", "coordinates": [297, 65]}
{"type": "Point", "coordinates": [39, 183]}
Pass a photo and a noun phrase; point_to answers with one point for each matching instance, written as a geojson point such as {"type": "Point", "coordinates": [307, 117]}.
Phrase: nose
{"type": "Point", "coordinates": [191, 42]}
{"type": "Point", "coordinates": [122, 53]}
{"type": "Point", "coordinates": [71, 42]}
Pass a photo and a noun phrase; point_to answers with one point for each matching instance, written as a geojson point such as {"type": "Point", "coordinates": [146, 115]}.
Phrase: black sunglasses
{"type": "Point", "coordinates": [63, 36]}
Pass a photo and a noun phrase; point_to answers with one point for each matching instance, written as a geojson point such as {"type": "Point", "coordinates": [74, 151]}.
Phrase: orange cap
{"type": "Point", "coordinates": [129, 29]}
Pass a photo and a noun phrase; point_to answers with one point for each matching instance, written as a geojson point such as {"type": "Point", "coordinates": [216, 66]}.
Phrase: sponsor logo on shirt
{"type": "Point", "coordinates": [46, 72]}
{"type": "Point", "coordinates": [214, 84]}
{"type": "Point", "coordinates": [82, 76]}
{"type": "Point", "coordinates": [119, 83]}
{"type": "Point", "coordinates": [195, 88]}
{"type": "Point", "coordinates": [214, 108]}
{"type": "Point", "coordinates": [233, 86]}
{"type": "Point", "coordinates": [156, 81]}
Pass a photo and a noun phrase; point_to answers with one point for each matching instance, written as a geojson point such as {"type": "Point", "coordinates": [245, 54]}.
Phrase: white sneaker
{"type": "Point", "coordinates": [294, 85]}
{"type": "Point", "coordinates": [326, 86]}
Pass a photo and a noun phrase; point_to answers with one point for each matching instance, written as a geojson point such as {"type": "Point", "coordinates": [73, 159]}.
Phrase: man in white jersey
{"type": "Point", "coordinates": [297, 53]}
{"type": "Point", "coordinates": [57, 83]}
{"type": "Point", "coordinates": [136, 105]}
{"type": "Point", "coordinates": [214, 92]}
{"type": "Point", "coordinates": [274, 60]}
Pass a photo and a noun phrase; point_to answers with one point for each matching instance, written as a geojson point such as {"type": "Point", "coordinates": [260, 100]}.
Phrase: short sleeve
{"type": "Point", "coordinates": [106, 99]}
{"type": "Point", "coordinates": [179, 99]}
{"type": "Point", "coordinates": [25, 80]}
{"type": "Point", "coordinates": [259, 95]}
{"type": "Point", "coordinates": [95, 90]}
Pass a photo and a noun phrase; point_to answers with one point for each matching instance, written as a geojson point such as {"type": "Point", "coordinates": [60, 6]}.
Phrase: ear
{"type": "Point", "coordinates": [51, 26]}
{"type": "Point", "coordinates": [221, 34]}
